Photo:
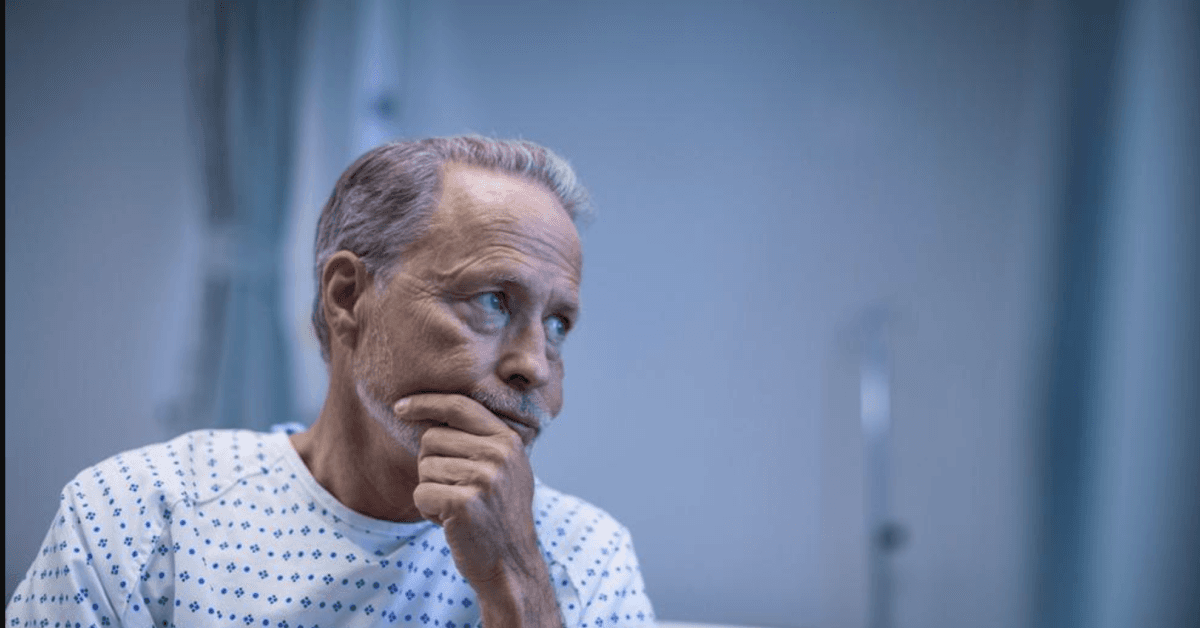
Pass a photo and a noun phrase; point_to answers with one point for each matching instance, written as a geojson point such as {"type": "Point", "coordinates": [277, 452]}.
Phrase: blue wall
{"type": "Point", "coordinates": [99, 248]}
{"type": "Point", "coordinates": [765, 173]}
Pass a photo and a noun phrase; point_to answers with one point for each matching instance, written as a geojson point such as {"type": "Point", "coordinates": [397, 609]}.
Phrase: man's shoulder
{"type": "Point", "coordinates": [593, 566]}
{"type": "Point", "coordinates": [191, 467]}
{"type": "Point", "coordinates": [575, 531]}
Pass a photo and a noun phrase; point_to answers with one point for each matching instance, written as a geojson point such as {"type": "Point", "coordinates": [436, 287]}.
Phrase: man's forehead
{"type": "Point", "coordinates": [482, 210]}
{"type": "Point", "coordinates": [473, 193]}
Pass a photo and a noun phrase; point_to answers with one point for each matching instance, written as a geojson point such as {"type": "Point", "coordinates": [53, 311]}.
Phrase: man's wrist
{"type": "Point", "coordinates": [516, 599]}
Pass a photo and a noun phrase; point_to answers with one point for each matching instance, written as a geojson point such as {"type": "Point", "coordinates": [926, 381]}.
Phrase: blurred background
{"type": "Point", "coordinates": [891, 309]}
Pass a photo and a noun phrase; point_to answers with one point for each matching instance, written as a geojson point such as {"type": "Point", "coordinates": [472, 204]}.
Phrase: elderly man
{"type": "Point", "coordinates": [448, 276]}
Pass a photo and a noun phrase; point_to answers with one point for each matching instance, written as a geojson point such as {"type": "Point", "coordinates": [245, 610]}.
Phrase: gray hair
{"type": "Point", "coordinates": [382, 203]}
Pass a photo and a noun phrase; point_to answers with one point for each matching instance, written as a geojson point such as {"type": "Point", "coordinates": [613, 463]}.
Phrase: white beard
{"type": "Point", "coordinates": [405, 434]}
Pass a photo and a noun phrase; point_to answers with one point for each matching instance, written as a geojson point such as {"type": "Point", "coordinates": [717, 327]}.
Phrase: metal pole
{"type": "Point", "coordinates": [883, 536]}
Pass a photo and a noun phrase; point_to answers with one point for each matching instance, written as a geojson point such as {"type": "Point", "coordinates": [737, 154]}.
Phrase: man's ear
{"type": "Point", "coordinates": [344, 283]}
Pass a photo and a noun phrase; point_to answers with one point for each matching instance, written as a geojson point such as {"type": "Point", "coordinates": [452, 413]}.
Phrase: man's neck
{"type": "Point", "coordinates": [351, 455]}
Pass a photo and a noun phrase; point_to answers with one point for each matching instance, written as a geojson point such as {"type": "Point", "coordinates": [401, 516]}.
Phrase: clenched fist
{"type": "Point", "coordinates": [476, 482]}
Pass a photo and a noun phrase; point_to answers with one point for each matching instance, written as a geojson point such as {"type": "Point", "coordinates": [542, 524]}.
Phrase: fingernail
{"type": "Point", "coordinates": [401, 405]}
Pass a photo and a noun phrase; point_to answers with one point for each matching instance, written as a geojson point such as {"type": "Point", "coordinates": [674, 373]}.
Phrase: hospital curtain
{"type": "Point", "coordinates": [1120, 509]}
{"type": "Point", "coordinates": [243, 65]}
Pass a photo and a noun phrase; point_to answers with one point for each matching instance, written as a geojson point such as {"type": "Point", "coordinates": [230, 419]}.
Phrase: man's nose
{"type": "Point", "coordinates": [523, 363]}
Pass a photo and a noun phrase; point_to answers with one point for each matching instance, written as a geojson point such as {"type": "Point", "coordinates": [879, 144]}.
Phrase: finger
{"type": "Point", "coordinates": [457, 411]}
{"type": "Point", "coordinates": [456, 471]}
{"type": "Point", "coordinates": [448, 441]}
{"type": "Point", "coordinates": [440, 502]}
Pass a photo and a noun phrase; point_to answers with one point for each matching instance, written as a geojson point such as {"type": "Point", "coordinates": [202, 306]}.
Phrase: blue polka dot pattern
{"type": "Point", "coordinates": [228, 528]}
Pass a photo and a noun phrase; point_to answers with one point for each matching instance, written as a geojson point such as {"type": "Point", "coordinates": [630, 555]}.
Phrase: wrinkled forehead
{"type": "Point", "coordinates": [501, 221]}
{"type": "Point", "coordinates": [469, 191]}
{"type": "Point", "coordinates": [479, 206]}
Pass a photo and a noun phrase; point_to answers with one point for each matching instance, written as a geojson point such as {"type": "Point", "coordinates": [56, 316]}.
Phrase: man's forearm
{"type": "Point", "coordinates": [525, 601]}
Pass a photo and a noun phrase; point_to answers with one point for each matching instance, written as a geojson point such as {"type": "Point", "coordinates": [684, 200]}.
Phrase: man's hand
{"type": "Point", "coordinates": [476, 482]}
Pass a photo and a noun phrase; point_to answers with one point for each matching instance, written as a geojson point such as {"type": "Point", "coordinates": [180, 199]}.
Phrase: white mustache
{"type": "Point", "coordinates": [523, 408]}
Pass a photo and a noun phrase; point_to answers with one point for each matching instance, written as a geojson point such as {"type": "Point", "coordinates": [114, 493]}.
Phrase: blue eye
{"type": "Point", "coordinates": [492, 310]}
{"type": "Point", "coordinates": [556, 329]}
{"type": "Point", "coordinates": [491, 301]}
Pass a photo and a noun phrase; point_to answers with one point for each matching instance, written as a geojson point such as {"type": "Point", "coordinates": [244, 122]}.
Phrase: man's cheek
{"type": "Point", "coordinates": [449, 346]}
{"type": "Point", "coordinates": [554, 394]}
{"type": "Point", "coordinates": [455, 368]}
{"type": "Point", "coordinates": [438, 325]}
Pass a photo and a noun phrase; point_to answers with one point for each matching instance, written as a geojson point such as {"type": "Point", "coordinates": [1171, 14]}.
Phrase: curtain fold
{"type": "Point", "coordinates": [244, 72]}
{"type": "Point", "coordinates": [1120, 535]}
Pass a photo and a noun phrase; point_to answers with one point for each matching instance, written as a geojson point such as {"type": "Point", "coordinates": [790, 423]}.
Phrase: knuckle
{"type": "Point", "coordinates": [434, 435]}
{"type": "Point", "coordinates": [422, 495]}
{"type": "Point", "coordinates": [430, 466]}
{"type": "Point", "coordinates": [458, 404]}
{"type": "Point", "coordinates": [481, 476]}
{"type": "Point", "coordinates": [496, 451]}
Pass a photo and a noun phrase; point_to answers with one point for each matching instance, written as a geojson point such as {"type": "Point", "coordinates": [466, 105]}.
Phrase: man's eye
{"type": "Point", "coordinates": [491, 301]}
{"type": "Point", "coordinates": [491, 310]}
{"type": "Point", "coordinates": [556, 329]}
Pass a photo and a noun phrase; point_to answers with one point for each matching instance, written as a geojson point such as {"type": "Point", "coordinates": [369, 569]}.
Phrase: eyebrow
{"type": "Point", "coordinates": [493, 273]}
{"type": "Point", "coordinates": [570, 307]}
{"type": "Point", "coordinates": [505, 277]}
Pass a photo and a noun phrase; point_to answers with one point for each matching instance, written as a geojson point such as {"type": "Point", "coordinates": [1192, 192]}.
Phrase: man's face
{"type": "Point", "coordinates": [479, 306]}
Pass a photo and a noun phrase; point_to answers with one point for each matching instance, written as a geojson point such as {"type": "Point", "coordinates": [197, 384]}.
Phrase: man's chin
{"type": "Point", "coordinates": [535, 418]}
{"type": "Point", "coordinates": [406, 435]}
